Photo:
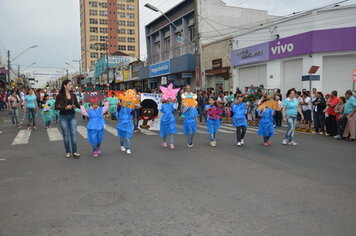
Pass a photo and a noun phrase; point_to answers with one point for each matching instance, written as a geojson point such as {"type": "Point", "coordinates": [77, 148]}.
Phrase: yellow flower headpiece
{"type": "Point", "coordinates": [129, 98]}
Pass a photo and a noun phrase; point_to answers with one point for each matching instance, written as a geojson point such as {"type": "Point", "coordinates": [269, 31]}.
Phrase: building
{"type": "Point", "coordinates": [171, 48]}
{"type": "Point", "coordinates": [280, 54]}
{"type": "Point", "coordinates": [111, 22]}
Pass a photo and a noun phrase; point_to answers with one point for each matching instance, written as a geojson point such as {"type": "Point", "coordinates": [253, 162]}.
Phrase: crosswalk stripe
{"type": "Point", "coordinates": [22, 137]}
{"type": "Point", "coordinates": [111, 130]}
{"type": "Point", "coordinates": [82, 131]}
{"type": "Point", "coordinates": [54, 134]}
{"type": "Point", "coordinates": [198, 131]}
{"type": "Point", "coordinates": [148, 132]}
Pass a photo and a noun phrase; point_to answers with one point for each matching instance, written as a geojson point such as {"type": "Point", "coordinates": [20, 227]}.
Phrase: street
{"type": "Point", "coordinates": [309, 189]}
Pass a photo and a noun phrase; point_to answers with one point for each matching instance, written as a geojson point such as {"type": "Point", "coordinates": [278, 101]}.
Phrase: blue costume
{"type": "Point", "coordinates": [239, 118]}
{"type": "Point", "coordinates": [95, 127]}
{"type": "Point", "coordinates": [125, 127]}
{"type": "Point", "coordinates": [265, 127]}
{"type": "Point", "coordinates": [213, 118]}
{"type": "Point", "coordinates": [168, 121]}
{"type": "Point", "coordinates": [190, 122]}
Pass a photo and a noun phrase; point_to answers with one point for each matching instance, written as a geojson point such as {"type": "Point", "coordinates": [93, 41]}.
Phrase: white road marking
{"type": "Point", "coordinates": [22, 137]}
{"type": "Point", "coordinates": [111, 130]}
{"type": "Point", "coordinates": [2, 159]}
{"type": "Point", "coordinates": [82, 131]}
{"type": "Point", "coordinates": [148, 132]}
{"type": "Point", "coordinates": [54, 134]}
{"type": "Point", "coordinates": [198, 131]}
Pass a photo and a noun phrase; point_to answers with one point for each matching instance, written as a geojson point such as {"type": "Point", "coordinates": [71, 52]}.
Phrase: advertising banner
{"type": "Point", "coordinates": [150, 116]}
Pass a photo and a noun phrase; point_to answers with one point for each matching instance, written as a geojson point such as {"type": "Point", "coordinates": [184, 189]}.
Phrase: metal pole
{"type": "Point", "coordinates": [310, 83]}
{"type": "Point", "coordinates": [8, 66]}
{"type": "Point", "coordinates": [353, 86]}
{"type": "Point", "coordinates": [197, 43]}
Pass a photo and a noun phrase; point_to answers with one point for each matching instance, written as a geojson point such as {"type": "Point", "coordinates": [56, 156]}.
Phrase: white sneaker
{"type": "Point", "coordinates": [190, 145]}
{"type": "Point", "coordinates": [128, 151]}
{"type": "Point", "coordinates": [214, 143]}
{"type": "Point", "coordinates": [337, 137]}
{"type": "Point", "coordinates": [242, 142]}
{"type": "Point", "coordinates": [123, 149]}
{"type": "Point", "coordinates": [239, 144]}
{"type": "Point", "coordinates": [284, 141]}
{"type": "Point", "coordinates": [292, 143]}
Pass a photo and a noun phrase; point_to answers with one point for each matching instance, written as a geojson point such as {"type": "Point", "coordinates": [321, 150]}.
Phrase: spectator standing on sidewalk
{"type": "Point", "coordinates": [340, 117]}
{"type": "Point", "coordinates": [349, 112]}
{"type": "Point", "coordinates": [319, 115]}
{"type": "Point", "coordinates": [331, 126]}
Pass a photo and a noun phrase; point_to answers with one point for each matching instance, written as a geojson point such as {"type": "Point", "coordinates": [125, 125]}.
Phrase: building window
{"type": "Point", "coordinates": [93, 21]}
{"type": "Point", "coordinates": [130, 7]}
{"type": "Point", "coordinates": [121, 6]}
{"type": "Point", "coordinates": [121, 31]}
{"type": "Point", "coordinates": [130, 0]}
{"type": "Point", "coordinates": [94, 55]}
{"type": "Point", "coordinates": [121, 14]}
{"type": "Point", "coordinates": [131, 39]}
{"type": "Point", "coordinates": [93, 4]}
{"type": "Point", "coordinates": [93, 12]}
{"type": "Point", "coordinates": [93, 38]}
{"type": "Point", "coordinates": [167, 44]}
{"type": "Point", "coordinates": [103, 21]}
{"type": "Point", "coordinates": [121, 23]}
{"type": "Point", "coordinates": [103, 4]}
{"type": "Point", "coordinates": [121, 39]}
{"type": "Point", "coordinates": [103, 38]}
{"type": "Point", "coordinates": [103, 30]}
{"type": "Point", "coordinates": [122, 47]}
{"type": "Point", "coordinates": [131, 32]}
{"type": "Point", "coordinates": [103, 13]}
{"type": "Point", "coordinates": [131, 15]}
{"type": "Point", "coordinates": [93, 29]}
{"type": "Point", "coordinates": [130, 48]}
{"type": "Point", "coordinates": [191, 34]}
{"type": "Point", "coordinates": [131, 23]}
{"type": "Point", "coordinates": [121, 0]}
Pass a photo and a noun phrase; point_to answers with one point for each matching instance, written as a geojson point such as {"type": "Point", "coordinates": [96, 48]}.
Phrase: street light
{"type": "Point", "coordinates": [34, 46]}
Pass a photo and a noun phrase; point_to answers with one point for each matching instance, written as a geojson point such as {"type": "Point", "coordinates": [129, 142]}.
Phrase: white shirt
{"type": "Point", "coordinates": [309, 104]}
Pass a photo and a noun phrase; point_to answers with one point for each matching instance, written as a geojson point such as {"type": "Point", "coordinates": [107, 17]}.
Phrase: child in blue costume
{"type": "Point", "coordinates": [168, 123]}
{"type": "Point", "coordinates": [213, 114]}
{"type": "Point", "coordinates": [95, 126]}
{"type": "Point", "coordinates": [266, 127]}
{"type": "Point", "coordinates": [55, 113]}
{"type": "Point", "coordinates": [47, 111]}
{"type": "Point", "coordinates": [190, 123]}
{"type": "Point", "coordinates": [239, 119]}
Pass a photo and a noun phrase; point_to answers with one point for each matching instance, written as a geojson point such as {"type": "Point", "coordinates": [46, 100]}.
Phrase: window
{"type": "Point", "coordinates": [93, 38]}
{"type": "Point", "coordinates": [93, 4]}
{"type": "Point", "coordinates": [103, 21]}
{"type": "Point", "coordinates": [121, 39]}
{"type": "Point", "coordinates": [131, 31]}
{"type": "Point", "coordinates": [121, 31]}
{"type": "Point", "coordinates": [93, 21]}
{"type": "Point", "coordinates": [121, 6]}
{"type": "Point", "coordinates": [122, 47]}
{"type": "Point", "coordinates": [130, 48]}
{"type": "Point", "coordinates": [103, 30]}
{"type": "Point", "coordinates": [131, 15]}
{"type": "Point", "coordinates": [131, 23]}
{"type": "Point", "coordinates": [191, 33]}
{"type": "Point", "coordinates": [131, 39]}
{"type": "Point", "coordinates": [103, 13]}
{"type": "Point", "coordinates": [130, 7]}
{"type": "Point", "coordinates": [103, 4]}
{"type": "Point", "coordinates": [92, 46]}
{"type": "Point", "coordinates": [92, 63]}
{"type": "Point", "coordinates": [167, 44]}
{"type": "Point", "coordinates": [103, 38]}
{"type": "Point", "coordinates": [93, 12]}
{"type": "Point", "coordinates": [130, 0]}
{"type": "Point", "coordinates": [94, 55]}
{"type": "Point", "coordinates": [93, 29]}
{"type": "Point", "coordinates": [121, 23]}
{"type": "Point", "coordinates": [121, 14]}
{"type": "Point", "coordinates": [121, 0]}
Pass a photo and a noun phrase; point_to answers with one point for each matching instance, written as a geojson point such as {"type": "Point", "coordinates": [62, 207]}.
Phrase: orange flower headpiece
{"type": "Point", "coordinates": [129, 98]}
{"type": "Point", "coordinates": [189, 100]}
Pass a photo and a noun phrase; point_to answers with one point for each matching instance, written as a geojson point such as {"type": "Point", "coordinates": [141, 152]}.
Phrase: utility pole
{"type": "Point", "coordinates": [67, 74]}
{"type": "Point", "coordinates": [107, 63]}
{"type": "Point", "coordinates": [8, 66]}
{"type": "Point", "coordinates": [197, 46]}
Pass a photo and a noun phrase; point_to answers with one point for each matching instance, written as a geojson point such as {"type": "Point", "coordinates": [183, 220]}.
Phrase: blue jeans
{"type": "Point", "coordinates": [169, 137]}
{"type": "Point", "coordinates": [15, 115]}
{"type": "Point", "coordinates": [212, 137]}
{"type": "Point", "coordinates": [202, 113]}
{"type": "Point", "coordinates": [68, 125]}
{"type": "Point", "coordinates": [291, 120]}
{"type": "Point", "coordinates": [48, 123]}
{"type": "Point", "coordinates": [135, 119]}
{"type": "Point", "coordinates": [190, 139]}
{"type": "Point", "coordinates": [95, 147]}
{"type": "Point", "coordinates": [266, 138]}
{"type": "Point", "coordinates": [125, 142]}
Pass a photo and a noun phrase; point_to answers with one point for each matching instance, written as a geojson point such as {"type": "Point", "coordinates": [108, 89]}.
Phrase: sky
{"type": "Point", "coordinates": [54, 25]}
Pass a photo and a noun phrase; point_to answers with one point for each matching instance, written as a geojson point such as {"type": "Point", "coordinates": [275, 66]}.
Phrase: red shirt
{"type": "Point", "coordinates": [333, 101]}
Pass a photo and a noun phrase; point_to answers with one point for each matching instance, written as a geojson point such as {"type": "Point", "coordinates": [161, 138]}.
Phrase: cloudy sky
{"type": "Point", "coordinates": [53, 25]}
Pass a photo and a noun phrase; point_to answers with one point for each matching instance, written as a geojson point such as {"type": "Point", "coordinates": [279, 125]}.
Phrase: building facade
{"type": "Point", "coordinates": [280, 54]}
{"type": "Point", "coordinates": [111, 22]}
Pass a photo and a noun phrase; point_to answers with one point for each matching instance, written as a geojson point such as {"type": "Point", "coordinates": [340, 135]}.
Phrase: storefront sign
{"type": "Point", "coordinates": [121, 60]}
{"type": "Point", "coordinates": [187, 75]}
{"type": "Point", "coordinates": [161, 68]}
{"type": "Point", "coordinates": [217, 63]}
{"type": "Point", "coordinates": [253, 54]}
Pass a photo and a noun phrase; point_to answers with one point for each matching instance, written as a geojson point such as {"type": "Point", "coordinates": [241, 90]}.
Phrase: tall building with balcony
{"type": "Point", "coordinates": [111, 25]}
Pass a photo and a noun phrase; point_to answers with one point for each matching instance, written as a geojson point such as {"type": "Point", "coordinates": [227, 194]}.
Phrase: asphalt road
{"type": "Point", "coordinates": [309, 189]}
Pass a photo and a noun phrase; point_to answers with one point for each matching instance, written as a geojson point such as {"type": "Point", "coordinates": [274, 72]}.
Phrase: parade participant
{"type": "Point", "coordinates": [113, 101]}
{"type": "Point", "coordinates": [14, 105]}
{"type": "Point", "coordinates": [290, 110]}
{"type": "Point", "coordinates": [125, 127]}
{"type": "Point", "coordinates": [168, 121]}
{"type": "Point", "coordinates": [265, 126]}
{"type": "Point", "coordinates": [239, 119]}
{"type": "Point", "coordinates": [214, 114]}
{"type": "Point", "coordinates": [47, 111]}
{"type": "Point", "coordinates": [96, 124]}
{"type": "Point", "coordinates": [66, 102]}
{"type": "Point", "coordinates": [190, 114]}
{"type": "Point", "coordinates": [30, 105]}
{"type": "Point", "coordinates": [55, 113]}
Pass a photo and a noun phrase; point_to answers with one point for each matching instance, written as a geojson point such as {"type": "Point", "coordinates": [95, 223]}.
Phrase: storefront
{"type": "Point", "coordinates": [218, 77]}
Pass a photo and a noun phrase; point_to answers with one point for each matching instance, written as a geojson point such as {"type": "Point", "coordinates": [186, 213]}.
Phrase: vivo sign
{"type": "Point", "coordinates": [282, 48]}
